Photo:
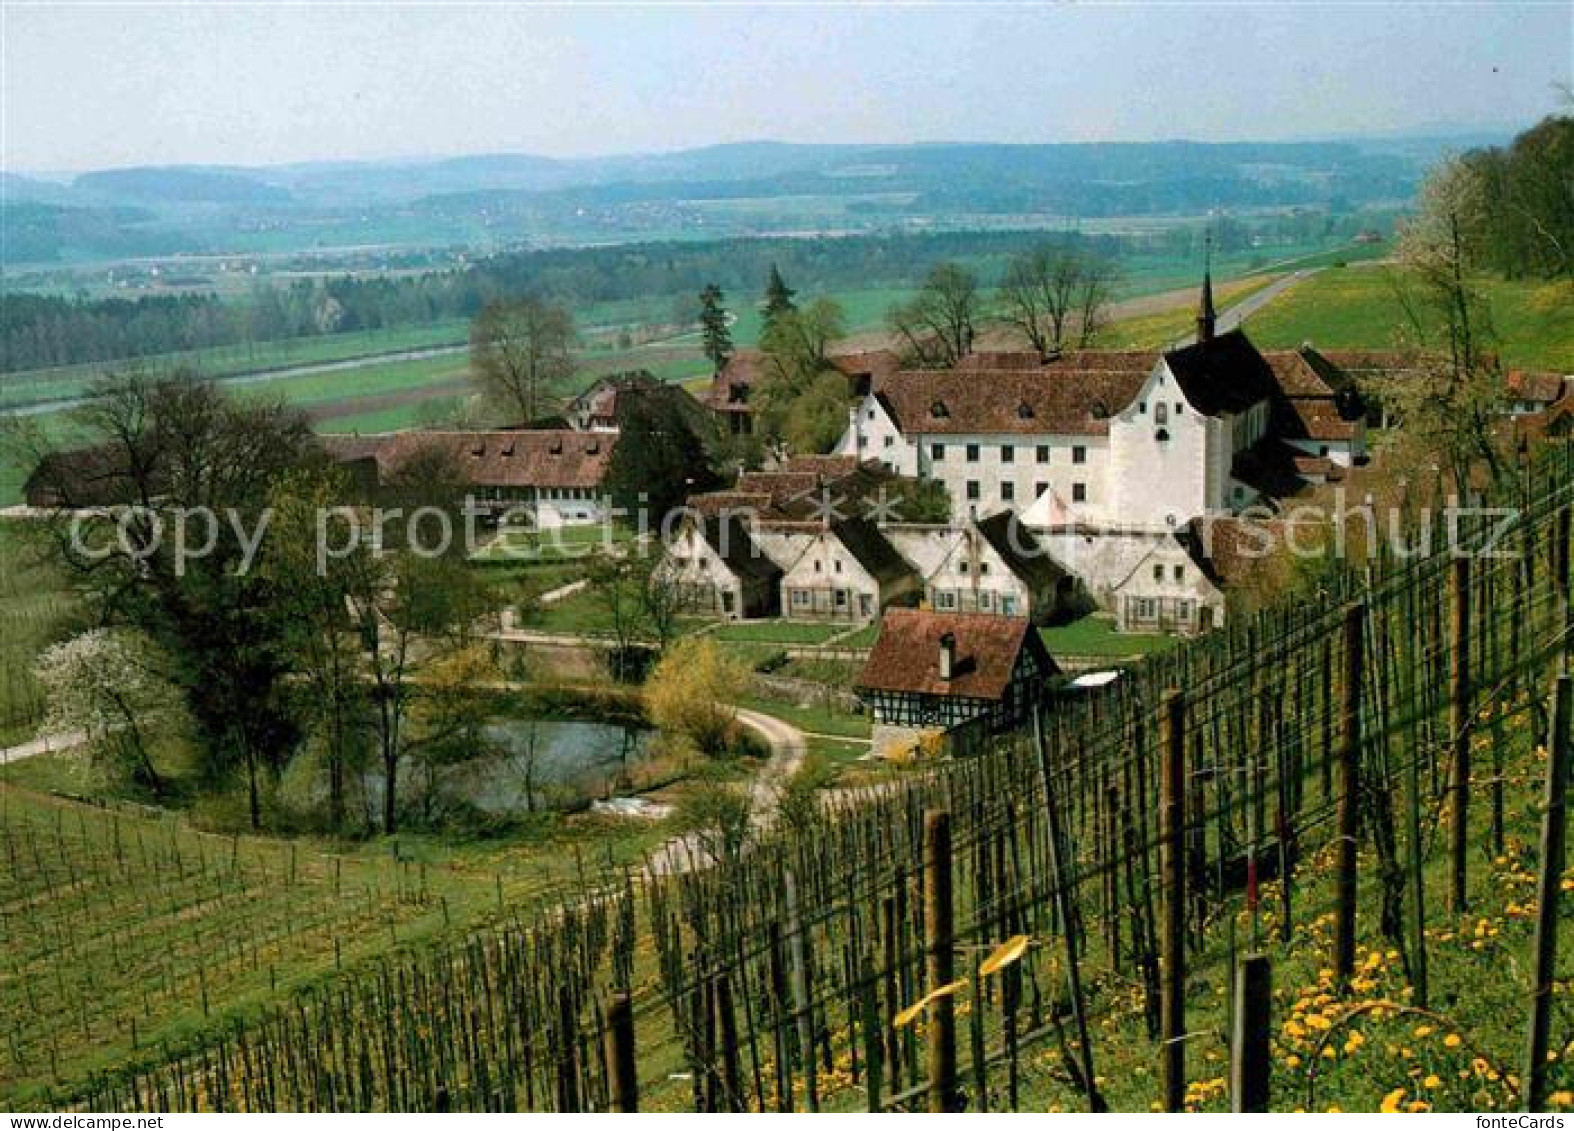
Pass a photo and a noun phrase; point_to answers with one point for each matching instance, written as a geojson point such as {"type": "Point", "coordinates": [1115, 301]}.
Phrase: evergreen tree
{"type": "Point", "coordinates": [778, 297]}
{"type": "Point", "coordinates": [713, 326]}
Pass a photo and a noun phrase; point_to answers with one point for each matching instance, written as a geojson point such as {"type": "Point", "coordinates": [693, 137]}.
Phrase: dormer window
{"type": "Point", "coordinates": [1024, 411]}
{"type": "Point", "coordinates": [509, 449]}
{"type": "Point", "coordinates": [556, 447]}
{"type": "Point", "coordinates": [1099, 410]}
{"type": "Point", "coordinates": [938, 410]}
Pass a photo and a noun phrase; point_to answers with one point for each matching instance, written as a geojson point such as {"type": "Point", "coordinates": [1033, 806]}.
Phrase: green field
{"type": "Point", "coordinates": [1360, 308]}
{"type": "Point", "coordinates": [35, 606]}
{"type": "Point", "coordinates": [779, 632]}
{"type": "Point", "coordinates": [198, 927]}
{"type": "Point", "coordinates": [50, 384]}
{"type": "Point", "coordinates": [1095, 635]}
{"type": "Point", "coordinates": [1151, 331]}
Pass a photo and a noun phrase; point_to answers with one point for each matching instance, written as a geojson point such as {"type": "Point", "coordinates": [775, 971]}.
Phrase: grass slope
{"type": "Point", "coordinates": [1360, 307]}
{"type": "Point", "coordinates": [129, 928]}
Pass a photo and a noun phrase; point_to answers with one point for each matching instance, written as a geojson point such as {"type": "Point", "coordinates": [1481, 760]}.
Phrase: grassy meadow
{"type": "Point", "coordinates": [1353, 308]}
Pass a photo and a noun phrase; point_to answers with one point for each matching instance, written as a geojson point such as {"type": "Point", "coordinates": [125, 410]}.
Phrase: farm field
{"type": "Point", "coordinates": [1152, 331]}
{"type": "Point", "coordinates": [34, 385]}
{"type": "Point", "coordinates": [1358, 308]}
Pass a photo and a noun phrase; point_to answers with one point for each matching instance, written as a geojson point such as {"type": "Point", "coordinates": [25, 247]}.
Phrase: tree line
{"type": "Point", "coordinates": [1515, 203]}
{"type": "Point", "coordinates": [38, 331]}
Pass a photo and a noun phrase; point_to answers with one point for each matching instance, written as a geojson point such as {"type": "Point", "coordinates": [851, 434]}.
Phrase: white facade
{"type": "Point", "coordinates": [1340, 452]}
{"type": "Point", "coordinates": [986, 473]}
{"type": "Point", "coordinates": [962, 572]}
{"type": "Point", "coordinates": [702, 575]}
{"type": "Point", "coordinates": [1167, 592]}
{"type": "Point", "coordinates": [828, 583]}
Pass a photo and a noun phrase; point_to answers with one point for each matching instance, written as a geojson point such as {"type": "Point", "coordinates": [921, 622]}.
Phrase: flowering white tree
{"type": "Point", "coordinates": [104, 684]}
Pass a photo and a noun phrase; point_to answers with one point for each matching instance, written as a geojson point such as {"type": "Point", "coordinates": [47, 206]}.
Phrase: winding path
{"type": "Point", "coordinates": [788, 748]}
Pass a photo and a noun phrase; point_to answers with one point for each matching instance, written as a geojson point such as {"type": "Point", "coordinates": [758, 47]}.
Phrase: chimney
{"type": "Point", "coordinates": [947, 656]}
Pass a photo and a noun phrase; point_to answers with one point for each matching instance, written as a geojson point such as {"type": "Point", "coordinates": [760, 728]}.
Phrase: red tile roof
{"type": "Point", "coordinates": [731, 388]}
{"type": "Point", "coordinates": [551, 459]}
{"type": "Point", "coordinates": [799, 489]}
{"type": "Point", "coordinates": [906, 655]}
{"type": "Point", "coordinates": [1068, 397]}
{"type": "Point", "coordinates": [1307, 418]}
{"type": "Point", "coordinates": [1543, 387]}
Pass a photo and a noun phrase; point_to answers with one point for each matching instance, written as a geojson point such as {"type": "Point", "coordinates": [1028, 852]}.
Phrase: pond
{"type": "Point", "coordinates": [557, 763]}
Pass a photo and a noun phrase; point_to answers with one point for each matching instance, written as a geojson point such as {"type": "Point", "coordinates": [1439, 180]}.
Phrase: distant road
{"type": "Point", "coordinates": [1231, 318]}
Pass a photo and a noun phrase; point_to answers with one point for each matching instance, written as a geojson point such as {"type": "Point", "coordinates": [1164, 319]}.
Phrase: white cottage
{"type": "Point", "coordinates": [847, 571]}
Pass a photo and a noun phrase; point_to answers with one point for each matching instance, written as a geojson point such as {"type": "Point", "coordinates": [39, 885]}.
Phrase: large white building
{"type": "Point", "coordinates": [1139, 440]}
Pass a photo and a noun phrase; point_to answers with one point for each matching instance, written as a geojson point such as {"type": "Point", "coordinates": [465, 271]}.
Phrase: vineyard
{"type": "Point", "coordinates": [33, 604]}
{"type": "Point", "coordinates": [1302, 850]}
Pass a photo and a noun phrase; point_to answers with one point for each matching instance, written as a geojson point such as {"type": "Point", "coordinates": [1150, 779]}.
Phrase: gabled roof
{"type": "Point", "coordinates": [1306, 373]}
{"type": "Point", "coordinates": [1312, 418]}
{"type": "Point", "coordinates": [1019, 550]}
{"type": "Point", "coordinates": [560, 458]}
{"type": "Point", "coordinates": [872, 364]}
{"type": "Point", "coordinates": [1067, 397]}
{"type": "Point", "coordinates": [729, 537]}
{"type": "Point", "coordinates": [872, 550]}
{"type": "Point", "coordinates": [800, 490]}
{"type": "Point", "coordinates": [1544, 388]}
{"type": "Point", "coordinates": [906, 655]}
{"type": "Point", "coordinates": [1223, 375]}
{"type": "Point", "coordinates": [82, 477]}
{"type": "Point", "coordinates": [730, 388]}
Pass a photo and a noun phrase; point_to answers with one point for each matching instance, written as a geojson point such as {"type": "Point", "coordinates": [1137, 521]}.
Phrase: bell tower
{"type": "Point", "coordinates": [1207, 319]}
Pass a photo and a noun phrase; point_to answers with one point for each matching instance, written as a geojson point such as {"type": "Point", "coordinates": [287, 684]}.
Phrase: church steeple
{"type": "Point", "coordinates": [1206, 318]}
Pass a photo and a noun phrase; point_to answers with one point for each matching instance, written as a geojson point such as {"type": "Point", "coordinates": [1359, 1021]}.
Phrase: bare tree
{"type": "Point", "coordinates": [1038, 294]}
{"type": "Point", "coordinates": [1096, 287]}
{"type": "Point", "coordinates": [618, 582]}
{"type": "Point", "coordinates": [520, 354]}
{"type": "Point", "coordinates": [1447, 411]}
{"type": "Point", "coordinates": [936, 327]}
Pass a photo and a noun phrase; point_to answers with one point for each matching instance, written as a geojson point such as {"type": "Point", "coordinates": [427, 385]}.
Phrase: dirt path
{"type": "Point", "coordinates": [47, 744]}
{"type": "Point", "coordinates": [788, 749]}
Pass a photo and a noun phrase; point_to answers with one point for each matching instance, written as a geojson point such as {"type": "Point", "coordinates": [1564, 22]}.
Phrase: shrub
{"type": "Point", "coordinates": [690, 691]}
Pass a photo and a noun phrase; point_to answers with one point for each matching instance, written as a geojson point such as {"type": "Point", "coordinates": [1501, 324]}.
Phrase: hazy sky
{"type": "Point", "coordinates": [99, 85]}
